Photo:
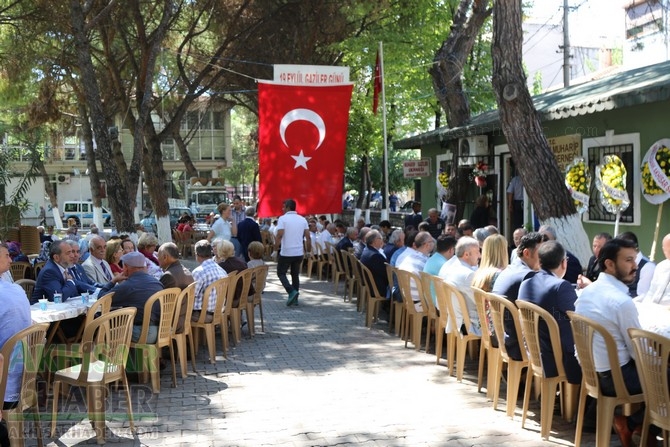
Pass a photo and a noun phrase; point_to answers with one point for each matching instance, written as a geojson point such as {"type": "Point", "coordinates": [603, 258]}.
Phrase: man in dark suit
{"type": "Point", "coordinates": [348, 240]}
{"type": "Point", "coordinates": [574, 267]}
{"type": "Point", "coordinates": [557, 296]}
{"type": "Point", "coordinates": [374, 260]}
{"type": "Point", "coordinates": [55, 276]}
{"type": "Point", "coordinates": [509, 281]}
{"type": "Point", "coordinates": [592, 268]}
{"type": "Point", "coordinates": [248, 231]}
{"type": "Point", "coordinates": [77, 271]}
{"type": "Point", "coordinates": [414, 219]}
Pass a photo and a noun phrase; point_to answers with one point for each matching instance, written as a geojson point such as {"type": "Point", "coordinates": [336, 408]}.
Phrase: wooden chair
{"type": "Point", "coordinates": [181, 337]}
{"type": "Point", "coordinates": [428, 282]}
{"type": "Point", "coordinates": [487, 352]}
{"type": "Point", "coordinates": [105, 348]}
{"type": "Point", "coordinates": [218, 291]}
{"type": "Point", "coordinates": [652, 353]}
{"type": "Point", "coordinates": [150, 352]}
{"type": "Point", "coordinates": [260, 276]}
{"type": "Point", "coordinates": [397, 308]}
{"type": "Point", "coordinates": [584, 330]}
{"type": "Point", "coordinates": [413, 317]}
{"type": "Point", "coordinates": [20, 270]}
{"type": "Point", "coordinates": [245, 276]}
{"type": "Point", "coordinates": [457, 342]}
{"type": "Point", "coordinates": [32, 342]}
{"type": "Point", "coordinates": [530, 317]}
{"type": "Point", "coordinates": [373, 296]}
{"type": "Point", "coordinates": [28, 285]}
{"type": "Point", "coordinates": [498, 305]}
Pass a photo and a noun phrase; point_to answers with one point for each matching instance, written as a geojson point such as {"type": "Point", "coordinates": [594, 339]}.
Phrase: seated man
{"type": "Point", "coordinates": [374, 260]}
{"type": "Point", "coordinates": [55, 276]}
{"type": "Point", "coordinates": [205, 274]}
{"type": "Point", "coordinates": [77, 271]}
{"type": "Point", "coordinates": [548, 290]}
{"type": "Point", "coordinates": [14, 317]}
{"type": "Point", "coordinates": [132, 289]}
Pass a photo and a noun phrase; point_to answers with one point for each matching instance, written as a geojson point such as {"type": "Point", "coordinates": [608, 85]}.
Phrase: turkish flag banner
{"type": "Point", "coordinates": [301, 144]}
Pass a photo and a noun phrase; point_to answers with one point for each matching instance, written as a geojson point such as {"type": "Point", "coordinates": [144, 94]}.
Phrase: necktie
{"type": "Point", "coordinates": [73, 273]}
{"type": "Point", "coordinates": [105, 271]}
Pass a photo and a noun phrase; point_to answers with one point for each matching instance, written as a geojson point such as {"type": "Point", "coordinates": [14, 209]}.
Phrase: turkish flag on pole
{"type": "Point", "coordinates": [376, 85]}
{"type": "Point", "coordinates": [302, 139]}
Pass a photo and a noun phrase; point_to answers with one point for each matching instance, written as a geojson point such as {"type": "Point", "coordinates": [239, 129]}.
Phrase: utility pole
{"type": "Point", "coordinates": [566, 45]}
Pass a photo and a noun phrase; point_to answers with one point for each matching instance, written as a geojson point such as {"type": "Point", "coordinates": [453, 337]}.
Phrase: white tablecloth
{"type": "Point", "coordinates": [71, 308]}
{"type": "Point", "coordinates": [654, 317]}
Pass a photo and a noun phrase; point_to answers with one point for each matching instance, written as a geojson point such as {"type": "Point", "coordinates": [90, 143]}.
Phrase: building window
{"type": "Point", "coordinates": [626, 147]}
{"type": "Point", "coordinates": [218, 120]}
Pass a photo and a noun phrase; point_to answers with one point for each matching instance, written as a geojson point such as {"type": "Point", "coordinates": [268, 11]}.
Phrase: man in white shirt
{"type": "Point", "coordinates": [607, 302]}
{"type": "Point", "coordinates": [291, 241]}
{"type": "Point", "coordinates": [459, 274]}
{"type": "Point", "coordinates": [659, 292]}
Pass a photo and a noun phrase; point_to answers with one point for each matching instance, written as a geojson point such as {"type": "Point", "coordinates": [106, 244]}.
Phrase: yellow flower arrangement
{"type": "Point", "coordinates": [649, 185]}
{"type": "Point", "coordinates": [442, 183]}
{"type": "Point", "coordinates": [611, 176]}
{"type": "Point", "coordinates": [578, 181]}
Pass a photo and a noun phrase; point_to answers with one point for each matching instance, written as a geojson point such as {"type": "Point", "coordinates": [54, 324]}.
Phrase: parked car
{"type": "Point", "coordinates": [82, 213]}
{"type": "Point", "coordinates": [149, 221]}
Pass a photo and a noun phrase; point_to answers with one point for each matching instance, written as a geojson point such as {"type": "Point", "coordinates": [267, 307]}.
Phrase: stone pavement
{"type": "Point", "coordinates": [316, 377]}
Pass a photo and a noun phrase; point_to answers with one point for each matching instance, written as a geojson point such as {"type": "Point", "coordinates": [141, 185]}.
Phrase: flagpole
{"type": "Point", "coordinates": [385, 201]}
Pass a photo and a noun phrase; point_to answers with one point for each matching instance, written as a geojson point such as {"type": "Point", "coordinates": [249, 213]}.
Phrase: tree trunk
{"type": "Point", "coordinates": [155, 177]}
{"type": "Point", "coordinates": [447, 74]}
{"type": "Point", "coordinates": [191, 171]}
{"type": "Point", "coordinates": [49, 189]}
{"type": "Point", "coordinates": [536, 165]}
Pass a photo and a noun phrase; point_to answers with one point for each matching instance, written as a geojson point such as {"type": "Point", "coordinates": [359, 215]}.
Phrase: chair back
{"type": "Point", "coordinates": [534, 321]}
{"type": "Point", "coordinates": [498, 305]}
{"type": "Point", "coordinates": [105, 346]}
{"type": "Point", "coordinates": [428, 286]}
{"type": "Point", "coordinates": [226, 290]}
{"type": "Point", "coordinates": [585, 331]}
{"type": "Point", "coordinates": [260, 277]}
{"type": "Point", "coordinates": [245, 276]}
{"type": "Point", "coordinates": [28, 285]}
{"type": "Point", "coordinates": [411, 289]}
{"type": "Point", "coordinates": [185, 298]}
{"type": "Point", "coordinates": [167, 300]}
{"type": "Point", "coordinates": [37, 268]}
{"type": "Point", "coordinates": [369, 285]}
{"type": "Point", "coordinates": [392, 277]}
{"type": "Point", "coordinates": [346, 265]}
{"type": "Point", "coordinates": [19, 270]}
{"type": "Point", "coordinates": [28, 357]}
{"type": "Point", "coordinates": [337, 259]}
{"type": "Point", "coordinates": [456, 305]}
{"type": "Point", "coordinates": [652, 352]}
{"type": "Point", "coordinates": [480, 302]}
{"type": "Point", "coordinates": [443, 296]}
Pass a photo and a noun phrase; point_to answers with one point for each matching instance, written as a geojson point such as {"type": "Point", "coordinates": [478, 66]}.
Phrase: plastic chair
{"type": "Point", "coordinates": [26, 284]}
{"type": "Point", "coordinates": [32, 341]}
{"type": "Point", "coordinates": [374, 297]}
{"type": "Point", "coordinates": [151, 351]}
{"type": "Point", "coordinates": [487, 352]}
{"type": "Point", "coordinates": [397, 311]}
{"type": "Point", "coordinates": [498, 305]}
{"type": "Point", "coordinates": [338, 268]}
{"type": "Point", "coordinates": [218, 291]}
{"type": "Point", "coordinates": [322, 261]}
{"type": "Point", "coordinates": [105, 354]}
{"type": "Point", "coordinates": [530, 317]}
{"type": "Point", "coordinates": [442, 294]}
{"type": "Point", "coordinates": [186, 297]}
{"type": "Point", "coordinates": [37, 268]}
{"type": "Point", "coordinates": [428, 282]}
{"type": "Point", "coordinates": [260, 277]}
{"type": "Point", "coordinates": [652, 353]}
{"type": "Point", "coordinates": [242, 304]}
{"type": "Point", "coordinates": [356, 281]}
{"type": "Point", "coordinates": [413, 317]}
{"type": "Point", "coordinates": [20, 270]}
{"type": "Point", "coordinates": [457, 342]}
{"type": "Point", "coordinates": [584, 330]}
{"type": "Point", "coordinates": [349, 277]}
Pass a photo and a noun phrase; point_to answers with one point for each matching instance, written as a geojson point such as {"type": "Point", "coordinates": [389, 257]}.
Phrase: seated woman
{"type": "Point", "coordinates": [147, 245]}
{"type": "Point", "coordinates": [113, 254]}
{"type": "Point", "coordinates": [255, 250]}
{"type": "Point", "coordinates": [225, 256]}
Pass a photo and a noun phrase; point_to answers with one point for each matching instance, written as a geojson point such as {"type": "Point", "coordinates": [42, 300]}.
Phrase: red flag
{"type": "Point", "coordinates": [302, 139]}
{"type": "Point", "coordinates": [376, 84]}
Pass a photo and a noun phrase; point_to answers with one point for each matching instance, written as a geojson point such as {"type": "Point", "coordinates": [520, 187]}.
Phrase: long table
{"type": "Point", "coordinates": [654, 317]}
{"type": "Point", "coordinates": [57, 312]}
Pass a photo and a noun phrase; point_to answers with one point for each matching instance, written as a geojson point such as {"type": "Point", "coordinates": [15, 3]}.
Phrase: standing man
{"type": "Point", "coordinates": [292, 232]}
{"type": "Point", "coordinates": [515, 200]}
{"type": "Point", "coordinates": [248, 231]}
{"type": "Point", "coordinates": [607, 302]}
{"type": "Point", "coordinates": [548, 290]}
{"type": "Point", "coordinates": [237, 216]}
{"type": "Point", "coordinates": [414, 219]}
{"type": "Point", "coordinates": [43, 216]}
{"type": "Point", "coordinates": [96, 267]}
{"type": "Point", "coordinates": [393, 202]}
{"type": "Point", "coordinates": [435, 223]}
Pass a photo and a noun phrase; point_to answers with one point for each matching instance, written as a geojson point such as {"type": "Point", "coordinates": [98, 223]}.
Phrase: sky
{"type": "Point", "coordinates": [590, 21]}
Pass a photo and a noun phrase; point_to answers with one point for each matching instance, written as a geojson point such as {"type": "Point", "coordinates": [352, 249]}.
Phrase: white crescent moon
{"type": "Point", "coordinates": [305, 115]}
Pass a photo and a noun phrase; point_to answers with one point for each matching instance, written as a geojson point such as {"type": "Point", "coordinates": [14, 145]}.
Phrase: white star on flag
{"type": "Point", "coordinates": [300, 160]}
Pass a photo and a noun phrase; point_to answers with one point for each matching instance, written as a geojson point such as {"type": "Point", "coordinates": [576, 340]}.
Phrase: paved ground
{"type": "Point", "coordinates": [316, 377]}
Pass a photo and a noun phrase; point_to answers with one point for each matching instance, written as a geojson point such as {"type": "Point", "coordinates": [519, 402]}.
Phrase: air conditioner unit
{"type": "Point", "coordinates": [470, 149]}
{"type": "Point", "coordinates": [63, 179]}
